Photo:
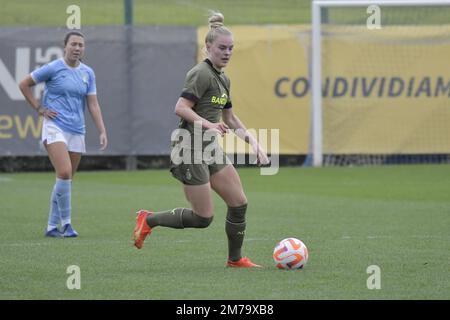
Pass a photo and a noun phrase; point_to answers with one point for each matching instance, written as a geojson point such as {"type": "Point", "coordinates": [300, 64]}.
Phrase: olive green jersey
{"type": "Point", "coordinates": [209, 89]}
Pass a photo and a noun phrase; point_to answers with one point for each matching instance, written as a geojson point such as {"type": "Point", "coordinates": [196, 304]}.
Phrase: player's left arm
{"type": "Point", "coordinates": [233, 122]}
{"type": "Point", "coordinates": [96, 113]}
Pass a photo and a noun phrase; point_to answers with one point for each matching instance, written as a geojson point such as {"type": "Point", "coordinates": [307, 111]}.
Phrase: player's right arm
{"type": "Point", "coordinates": [183, 109]}
{"type": "Point", "coordinates": [25, 86]}
{"type": "Point", "coordinates": [26, 89]}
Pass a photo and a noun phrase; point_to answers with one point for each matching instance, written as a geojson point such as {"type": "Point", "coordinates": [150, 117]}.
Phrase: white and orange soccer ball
{"type": "Point", "coordinates": [290, 253]}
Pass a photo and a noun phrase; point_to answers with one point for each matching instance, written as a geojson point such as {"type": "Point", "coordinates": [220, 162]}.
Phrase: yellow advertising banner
{"type": "Point", "coordinates": [384, 91]}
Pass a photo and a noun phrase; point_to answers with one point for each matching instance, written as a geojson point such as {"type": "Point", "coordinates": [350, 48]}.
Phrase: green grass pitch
{"type": "Point", "coordinates": [395, 217]}
{"type": "Point", "coordinates": [194, 12]}
{"type": "Point", "coordinates": [154, 12]}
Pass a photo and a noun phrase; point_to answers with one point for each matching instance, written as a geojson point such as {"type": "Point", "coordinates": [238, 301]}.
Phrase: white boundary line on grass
{"type": "Point", "coordinates": [86, 242]}
{"type": "Point", "coordinates": [391, 237]}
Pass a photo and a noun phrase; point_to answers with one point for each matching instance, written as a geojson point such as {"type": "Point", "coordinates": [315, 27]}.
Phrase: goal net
{"type": "Point", "coordinates": [380, 82]}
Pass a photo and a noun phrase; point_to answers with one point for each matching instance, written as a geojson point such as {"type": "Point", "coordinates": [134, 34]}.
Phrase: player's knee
{"type": "Point", "coordinates": [238, 201]}
{"type": "Point", "coordinates": [242, 201]}
{"type": "Point", "coordinates": [203, 222]}
{"type": "Point", "coordinates": [65, 173]}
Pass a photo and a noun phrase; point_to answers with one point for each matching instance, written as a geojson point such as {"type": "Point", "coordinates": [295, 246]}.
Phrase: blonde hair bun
{"type": "Point", "coordinates": [215, 20]}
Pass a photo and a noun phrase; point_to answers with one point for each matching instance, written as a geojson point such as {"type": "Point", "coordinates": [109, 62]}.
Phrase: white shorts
{"type": "Point", "coordinates": [52, 133]}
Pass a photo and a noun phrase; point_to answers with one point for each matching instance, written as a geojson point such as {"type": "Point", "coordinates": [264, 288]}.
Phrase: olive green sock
{"type": "Point", "coordinates": [235, 230]}
{"type": "Point", "coordinates": [178, 218]}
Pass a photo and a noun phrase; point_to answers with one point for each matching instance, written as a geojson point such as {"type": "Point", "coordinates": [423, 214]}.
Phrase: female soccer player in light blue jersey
{"type": "Point", "coordinates": [69, 86]}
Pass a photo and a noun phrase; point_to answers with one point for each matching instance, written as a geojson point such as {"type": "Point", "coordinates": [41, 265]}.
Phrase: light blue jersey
{"type": "Point", "coordinates": [66, 89]}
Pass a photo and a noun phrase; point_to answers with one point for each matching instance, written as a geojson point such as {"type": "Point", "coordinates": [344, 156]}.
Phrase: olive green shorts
{"type": "Point", "coordinates": [197, 173]}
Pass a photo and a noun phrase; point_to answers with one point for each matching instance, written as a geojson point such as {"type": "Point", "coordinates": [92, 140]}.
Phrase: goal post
{"type": "Point", "coordinates": [320, 146]}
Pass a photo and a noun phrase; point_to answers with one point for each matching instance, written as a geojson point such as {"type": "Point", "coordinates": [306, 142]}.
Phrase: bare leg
{"type": "Point", "coordinates": [228, 186]}
{"type": "Point", "coordinates": [60, 159]}
{"type": "Point", "coordinates": [75, 158]}
{"type": "Point", "coordinates": [200, 198]}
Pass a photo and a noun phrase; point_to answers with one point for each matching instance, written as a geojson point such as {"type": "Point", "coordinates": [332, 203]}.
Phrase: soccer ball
{"type": "Point", "coordinates": [290, 253]}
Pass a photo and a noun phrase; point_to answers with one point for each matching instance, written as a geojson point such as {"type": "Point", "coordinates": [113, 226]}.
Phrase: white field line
{"type": "Point", "coordinates": [346, 237]}
{"type": "Point", "coordinates": [86, 242]}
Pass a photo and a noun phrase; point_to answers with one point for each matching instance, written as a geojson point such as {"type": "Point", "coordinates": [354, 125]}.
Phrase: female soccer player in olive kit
{"type": "Point", "coordinates": [204, 99]}
{"type": "Point", "coordinates": [69, 84]}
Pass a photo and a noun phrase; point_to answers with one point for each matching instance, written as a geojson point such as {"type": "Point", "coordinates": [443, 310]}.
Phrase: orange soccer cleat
{"type": "Point", "coordinates": [242, 263]}
{"type": "Point", "coordinates": [142, 229]}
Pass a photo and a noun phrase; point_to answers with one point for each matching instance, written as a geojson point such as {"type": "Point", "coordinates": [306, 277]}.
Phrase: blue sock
{"type": "Point", "coordinates": [53, 215]}
{"type": "Point", "coordinates": [63, 192]}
